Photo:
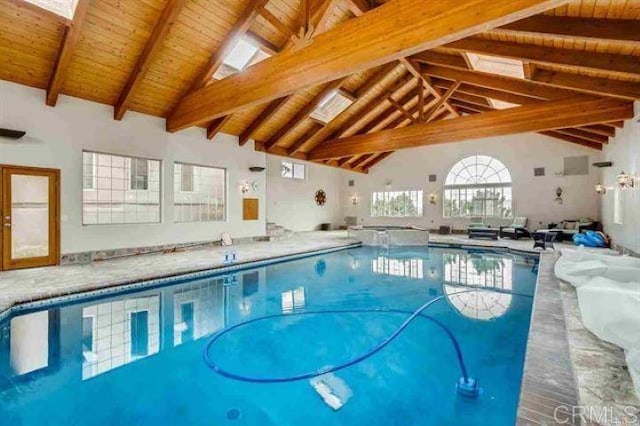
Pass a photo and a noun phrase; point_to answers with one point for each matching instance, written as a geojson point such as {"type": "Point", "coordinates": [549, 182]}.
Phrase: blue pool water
{"type": "Point", "coordinates": [137, 358]}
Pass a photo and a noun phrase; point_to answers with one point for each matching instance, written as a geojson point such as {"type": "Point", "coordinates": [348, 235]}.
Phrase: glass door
{"type": "Point", "coordinates": [29, 220]}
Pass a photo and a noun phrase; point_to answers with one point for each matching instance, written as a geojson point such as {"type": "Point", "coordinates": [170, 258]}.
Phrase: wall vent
{"type": "Point", "coordinates": [574, 166]}
{"type": "Point", "coordinates": [352, 182]}
{"type": "Point", "coordinates": [432, 178]}
{"type": "Point", "coordinates": [538, 171]}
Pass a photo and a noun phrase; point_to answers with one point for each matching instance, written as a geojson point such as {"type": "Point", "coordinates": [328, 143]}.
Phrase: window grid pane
{"type": "Point", "coordinates": [204, 199]}
{"type": "Point", "coordinates": [123, 189]}
{"type": "Point", "coordinates": [396, 204]}
{"type": "Point", "coordinates": [478, 186]}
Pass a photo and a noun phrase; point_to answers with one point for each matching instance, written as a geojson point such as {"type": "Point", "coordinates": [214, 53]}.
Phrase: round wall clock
{"type": "Point", "coordinates": [321, 197]}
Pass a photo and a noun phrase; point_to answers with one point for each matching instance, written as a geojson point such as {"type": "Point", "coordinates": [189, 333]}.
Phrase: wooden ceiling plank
{"type": "Point", "coordinates": [576, 28]}
{"type": "Point", "coordinates": [70, 39]}
{"type": "Point", "coordinates": [303, 114]}
{"type": "Point", "coordinates": [271, 110]}
{"type": "Point", "coordinates": [544, 116]}
{"type": "Point", "coordinates": [397, 29]}
{"type": "Point", "coordinates": [160, 31]}
{"type": "Point", "coordinates": [274, 21]}
{"type": "Point", "coordinates": [216, 125]}
{"type": "Point", "coordinates": [625, 65]}
{"type": "Point", "coordinates": [380, 75]}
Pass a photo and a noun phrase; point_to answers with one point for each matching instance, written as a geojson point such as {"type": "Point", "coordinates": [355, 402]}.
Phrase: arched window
{"type": "Point", "coordinates": [478, 186]}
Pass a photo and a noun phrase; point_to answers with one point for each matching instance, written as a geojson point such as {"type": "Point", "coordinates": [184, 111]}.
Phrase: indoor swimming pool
{"type": "Point", "coordinates": [397, 336]}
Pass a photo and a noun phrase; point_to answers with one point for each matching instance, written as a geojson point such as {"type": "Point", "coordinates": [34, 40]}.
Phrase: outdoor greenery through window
{"type": "Point", "coordinates": [396, 204]}
{"type": "Point", "coordinates": [478, 186]}
{"type": "Point", "coordinates": [199, 193]}
{"type": "Point", "coordinates": [118, 189]}
{"type": "Point", "coordinates": [291, 170]}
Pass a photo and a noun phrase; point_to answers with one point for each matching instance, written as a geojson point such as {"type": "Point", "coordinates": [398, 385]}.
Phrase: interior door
{"type": "Point", "coordinates": [29, 219]}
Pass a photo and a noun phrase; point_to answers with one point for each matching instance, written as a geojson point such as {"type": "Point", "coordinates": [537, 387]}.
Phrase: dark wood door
{"type": "Point", "coordinates": [30, 217]}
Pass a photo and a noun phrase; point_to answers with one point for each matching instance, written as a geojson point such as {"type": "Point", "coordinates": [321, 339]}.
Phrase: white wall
{"type": "Point", "coordinates": [533, 196]}
{"type": "Point", "coordinates": [56, 137]}
{"type": "Point", "coordinates": [291, 202]}
{"type": "Point", "coordinates": [624, 152]}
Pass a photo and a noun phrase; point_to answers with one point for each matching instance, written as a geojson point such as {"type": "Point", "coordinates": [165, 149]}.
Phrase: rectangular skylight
{"type": "Point", "coordinates": [501, 66]}
{"type": "Point", "coordinates": [331, 107]}
{"type": "Point", "coordinates": [242, 56]}
{"type": "Point", "coordinates": [59, 7]}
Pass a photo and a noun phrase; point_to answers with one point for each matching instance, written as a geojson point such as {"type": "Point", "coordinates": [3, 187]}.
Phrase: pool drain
{"type": "Point", "coordinates": [233, 414]}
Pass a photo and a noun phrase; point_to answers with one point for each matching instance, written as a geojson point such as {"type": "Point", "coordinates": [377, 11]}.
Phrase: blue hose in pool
{"type": "Point", "coordinates": [465, 380]}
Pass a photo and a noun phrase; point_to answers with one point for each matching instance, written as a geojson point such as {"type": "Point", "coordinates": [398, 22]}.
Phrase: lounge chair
{"type": "Point", "coordinates": [516, 230]}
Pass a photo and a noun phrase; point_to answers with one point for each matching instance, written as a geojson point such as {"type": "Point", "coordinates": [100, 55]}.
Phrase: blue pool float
{"type": "Point", "coordinates": [590, 239]}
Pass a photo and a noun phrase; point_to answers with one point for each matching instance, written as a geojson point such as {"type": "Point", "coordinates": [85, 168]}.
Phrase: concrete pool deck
{"type": "Point", "coordinates": [555, 375]}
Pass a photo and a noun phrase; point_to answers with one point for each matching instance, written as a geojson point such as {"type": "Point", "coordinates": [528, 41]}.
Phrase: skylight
{"type": "Point", "coordinates": [331, 107]}
{"type": "Point", "coordinates": [501, 66]}
{"type": "Point", "coordinates": [242, 56]}
{"type": "Point", "coordinates": [59, 7]}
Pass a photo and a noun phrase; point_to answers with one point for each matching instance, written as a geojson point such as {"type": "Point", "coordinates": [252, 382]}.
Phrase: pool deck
{"type": "Point", "coordinates": [565, 365]}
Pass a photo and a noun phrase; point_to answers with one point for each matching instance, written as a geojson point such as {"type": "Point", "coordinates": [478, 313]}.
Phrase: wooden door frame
{"type": "Point", "coordinates": [54, 218]}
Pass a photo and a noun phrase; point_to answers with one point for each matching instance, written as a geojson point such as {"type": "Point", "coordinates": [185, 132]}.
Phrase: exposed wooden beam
{"type": "Point", "coordinates": [264, 44]}
{"type": "Point", "coordinates": [438, 58]}
{"type": "Point", "coordinates": [271, 110]}
{"type": "Point", "coordinates": [70, 39]}
{"type": "Point", "coordinates": [375, 121]}
{"type": "Point", "coordinates": [593, 85]}
{"type": "Point", "coordinates": [160, 31]}
{"type": "Point", "coordinates": [583, 133]}
{"type": "Point", "coordinates": [216, 125]}
{"type": "Point", "coordinates": [415, 68]}
{"type": "Point", "coordinates": [572, 139]}
{"type": "Point", "coordinates": [303, 114]}
{"type": "Point", "coordinates": [444, 98]}
{"type": "Point", "coordinates": [403, 111]}
{"type": "Point", "coordinates": [377, 160]}
{"type": "Point", "coordinates": [578, 111]}
{"type": "Point", "coordinates": [274, 21]}
{"type": "Point", "coordinates": [315, 128]}
{"type": "Point", "coordinates": [281, 152]}
{"type": "Point", "coordinates": [360, 160]}
{"type": "Point", "coordinates": [626, 65]}
{"type": "Point", "coordinates": [397, 29]}
{"type": "Point", "coordinates": [565, 27]}
{"type": "Point", "coordinates": [498, 82]}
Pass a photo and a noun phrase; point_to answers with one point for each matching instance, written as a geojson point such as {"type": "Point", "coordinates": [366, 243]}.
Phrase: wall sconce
{"type": "Point", "coordinates": [559, 192]}
{"type": "Point", "coordinates": [244, 187]}
{"type": "Point", "coordinates": [354, 199]}
{"type": "Point", "coordinates": [600, 189]}
{"type": "Point", "coordinates": [387, 184]}
{"type": "Point", "coordinates": [433, 197]}
{"type": "Point", "coordinates": [625, 181]}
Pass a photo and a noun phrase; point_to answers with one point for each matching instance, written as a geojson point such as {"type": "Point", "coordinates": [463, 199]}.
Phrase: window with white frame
{"type": "Point", "coordinates": [478, 185]}
{"type": "Point", "coordinates": [199, 193]}
{"type": "Point", "coordinates": [396, 204]}
{"type": "Point", "coordinates": [118, 189]}
{"type": "Point", "coordinates": [291, 170]}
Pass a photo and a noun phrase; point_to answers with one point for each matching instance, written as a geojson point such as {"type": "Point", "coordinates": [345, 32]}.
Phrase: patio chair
{"type": "Point", "coordinates": [516, 230]}
{"type": "Point", "coordinates": [544, 240]}
{"type": "Point", "coordinates": [476, 222]}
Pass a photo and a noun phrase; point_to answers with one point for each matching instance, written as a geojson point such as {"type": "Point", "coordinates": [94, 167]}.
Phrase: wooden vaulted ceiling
{"type": "Point", "coordinates": [409, 86]}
